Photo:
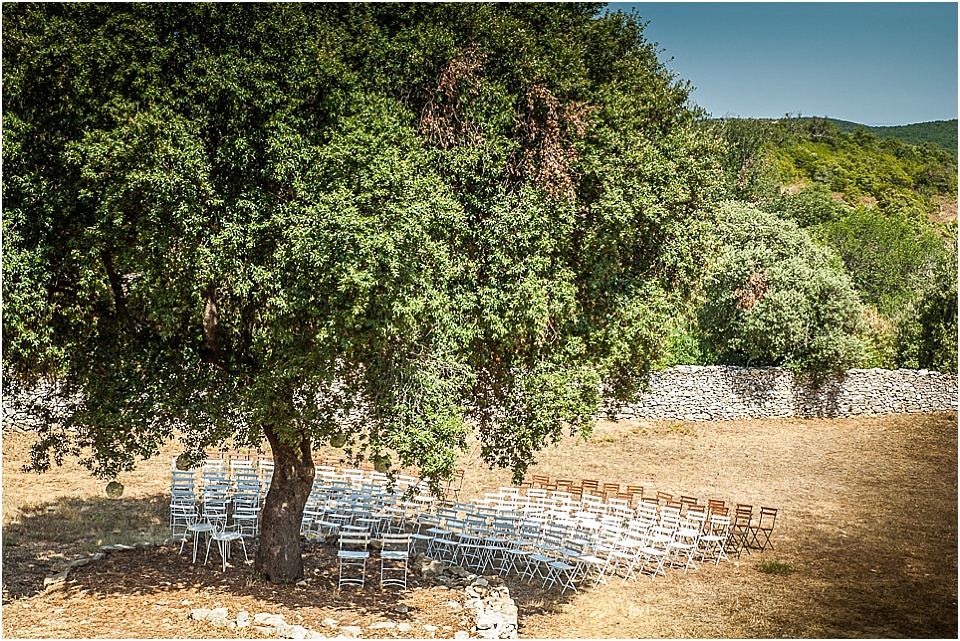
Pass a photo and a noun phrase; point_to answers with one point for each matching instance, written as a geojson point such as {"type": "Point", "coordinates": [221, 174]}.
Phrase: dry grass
{"type": "Point", "coordinates": [868, 524]}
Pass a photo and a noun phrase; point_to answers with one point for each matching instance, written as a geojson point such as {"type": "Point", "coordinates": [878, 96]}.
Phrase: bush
{"type": "Point", "coordinates": [927, 334]}
{"type": "Point", "coordinates": [813, 205]}
{"type": "Point", "coordinates": [890, 257]}
{"type": "Point", "coordinates": [775, 297]}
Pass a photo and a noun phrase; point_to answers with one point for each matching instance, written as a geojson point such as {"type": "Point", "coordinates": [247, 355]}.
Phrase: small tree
{"type": "Point", "coordinates": [776, 298]}
{"type": "Point", "coordinates": [927, 331]}
{"type": "Point", "coordinates": [371, 225]}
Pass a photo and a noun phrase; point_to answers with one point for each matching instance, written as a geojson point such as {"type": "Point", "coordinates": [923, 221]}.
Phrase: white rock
{"type": "Point", "coordinates": [276, 620]}
{"type": "Point", "coordinates": [382, 625]}
{"type": "Point", "coordinates": [200, 614]}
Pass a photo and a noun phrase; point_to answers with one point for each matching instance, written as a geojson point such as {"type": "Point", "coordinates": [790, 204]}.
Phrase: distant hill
{"type": "Point", "coordinates": [940, 132]}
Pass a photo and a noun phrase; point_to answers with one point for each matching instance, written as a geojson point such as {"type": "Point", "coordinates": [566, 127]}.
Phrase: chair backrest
{"type": "Point", "coordinates": [351, 539]}
{"type": "Point", "coordinates": [540, 480]}
{"type": "Point", "coordinates": [674, 504]}
{"type": "Point", "coordinates": [611, 489]}
{"type": "Point", "coordinates": [720, 511]}
{"type": "Point", "coordinates": [395, 543]}
{"type": "Point", "coordinates": [719, 525]}
{"type": "Point", "coordinates": [636, 490]}
{"type": "Point", "coordinates": [697, 512]}
{"type": "Point", "coordinates": [615, 502]}
{"type": "Point", "coordinates": [742, 515]}
{"type": "Point", "coordinates": [669, 517]}
{"type": "Point", "coordinates": [768, 518]}
{"type": "Point", "coordinates": [588, 499]}
{"type": "Point", "coordinates": [647, 510]}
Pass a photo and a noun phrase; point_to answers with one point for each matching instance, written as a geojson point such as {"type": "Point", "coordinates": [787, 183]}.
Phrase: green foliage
{"type": "Point", "coordinates": [872, 199]}
{"type": "Point", "coordinates": [927, 337]}
{"type": "Point", "coordinates": [861, 167]}
{"type": "Point", "coordinates": [942, 133]}
{"type": "Point", "coordinates": [889, 257]}
{"type": "Point", "coordinates": [361, 223]}
{"type": "Point", "coordinates": [749, 163]}
{"type": "Point", "coordinates": [777, 298]}
{"type": "Point", "coordinates": [879, 340]}
{"type": "Point", "coordinates": [813, 205]}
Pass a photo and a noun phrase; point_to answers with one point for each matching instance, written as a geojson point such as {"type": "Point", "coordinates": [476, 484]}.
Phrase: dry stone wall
{"type": "Point", "coordinates": [695, 393]}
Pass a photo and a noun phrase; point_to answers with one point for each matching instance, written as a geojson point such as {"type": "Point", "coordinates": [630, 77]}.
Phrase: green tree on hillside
{"type": "Point", "coordinates": [889, 257]}
{"type": "Point", "coordinates": [371, 225]}
{"type": "Point", "coordinates": [927, 334]}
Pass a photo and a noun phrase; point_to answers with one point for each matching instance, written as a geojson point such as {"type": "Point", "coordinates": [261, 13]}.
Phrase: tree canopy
{"type": "Point", "coordinates": [373, 225]}
{"type": "Point", "coordinates": [777, 298]}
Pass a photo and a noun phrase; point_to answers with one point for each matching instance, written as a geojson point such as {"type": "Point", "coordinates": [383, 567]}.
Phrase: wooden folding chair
{"type": "Point", "coordinates": [590, 486]}
{"type": "Point", "coordinates": [540, 480]}
{"type": "Point", "coordinates": [760, 536]}
{"type": "Point", "coordinates": [636, 490]}
{"type": "Point", "coordinates": [740, 529]}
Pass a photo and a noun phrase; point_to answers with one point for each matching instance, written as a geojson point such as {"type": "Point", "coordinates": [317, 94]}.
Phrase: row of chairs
{"type": "Point", "coordinates": [567, 551]}
{"type": "Point", "coordinates": [752, 529]}
{"type": "Point", "coordinates": [633, 493]}
{"type": "Point", "coordinates": [586, 486]}
{"type": "Point", "coordinates": [331, 508]}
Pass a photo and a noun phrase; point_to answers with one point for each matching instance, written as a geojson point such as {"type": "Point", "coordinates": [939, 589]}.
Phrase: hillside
{"type": "Point", "coordinates": [939, 132]}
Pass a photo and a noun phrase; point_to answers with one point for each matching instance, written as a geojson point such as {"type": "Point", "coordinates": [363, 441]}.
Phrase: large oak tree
{"type": "Point", "coordinates": [378, 226]}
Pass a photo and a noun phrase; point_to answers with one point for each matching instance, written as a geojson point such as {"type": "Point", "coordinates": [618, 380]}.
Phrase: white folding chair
{"type": "Point", "coordinates": [394, 554]}
{"type": "Point", "coordinates": [352, 556]}
{"type": "Point", "coordinates": [713, 544]}
{"type": "Point", "coordinates": [225, 535]}
{"type": "Point", "coordinates": [685, 542]}
{"type": "Point", "coordinates": [655, 551]}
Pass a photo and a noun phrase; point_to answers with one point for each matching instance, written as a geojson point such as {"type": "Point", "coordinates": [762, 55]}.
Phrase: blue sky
{"type": "Point", "coordinates": [875, 63]}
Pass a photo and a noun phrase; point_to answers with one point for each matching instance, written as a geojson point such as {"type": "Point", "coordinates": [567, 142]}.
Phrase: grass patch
{"type": "Point", "coordinates": [681, 430]}
{"type": "Point", "coordinates": [775, 567]}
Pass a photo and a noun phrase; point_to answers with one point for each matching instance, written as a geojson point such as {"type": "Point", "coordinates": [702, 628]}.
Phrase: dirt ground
{"type": "Point", "coordinates": [867, 522]}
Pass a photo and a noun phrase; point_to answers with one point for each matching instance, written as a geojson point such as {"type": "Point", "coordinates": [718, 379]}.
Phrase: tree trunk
{"type": "Point", "coordinates": [279, 556]}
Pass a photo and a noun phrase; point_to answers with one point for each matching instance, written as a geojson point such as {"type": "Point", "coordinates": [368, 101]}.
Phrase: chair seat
{"type": "Point", "coordinates": [351, 554]}
{"type": "Point", "coordinates": [226, 536]}
{"type": "Point", "coordinates": [394, 555]}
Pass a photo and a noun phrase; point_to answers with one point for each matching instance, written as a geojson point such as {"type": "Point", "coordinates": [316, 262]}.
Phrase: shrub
{"type": "Point", "coordinates": [775, 297]}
